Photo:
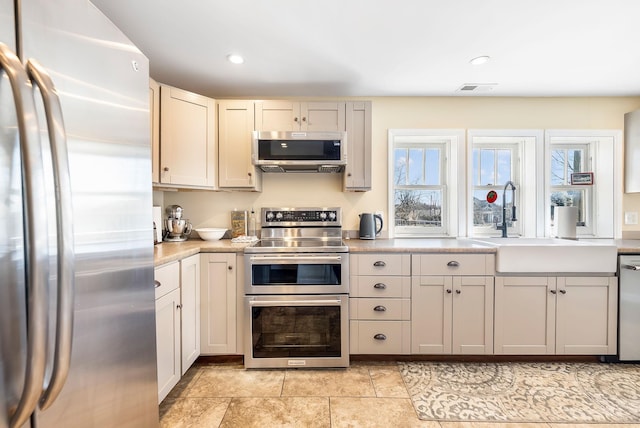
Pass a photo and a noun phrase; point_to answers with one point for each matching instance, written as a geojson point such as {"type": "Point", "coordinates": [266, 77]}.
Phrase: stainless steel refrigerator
{"type": "Point", "coordinates": [77, 318]}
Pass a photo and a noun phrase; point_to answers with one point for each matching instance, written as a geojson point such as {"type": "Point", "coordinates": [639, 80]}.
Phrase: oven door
{"type": "Point", "coordinates": [297, 273]}
{"type": "Point", "coordinates": [296, 331]}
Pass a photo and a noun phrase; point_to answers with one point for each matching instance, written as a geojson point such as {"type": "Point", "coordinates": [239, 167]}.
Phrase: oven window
{"type": "Point", "coordinates": [296, 331]}
{"type": "Point", "coordinates": [296, 274]}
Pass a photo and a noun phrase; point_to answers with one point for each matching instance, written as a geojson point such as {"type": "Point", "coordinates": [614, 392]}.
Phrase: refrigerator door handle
{"type": "Point", "coordinates": [36, 236]}
{"type": "Point", "coordinates": [64, 231]}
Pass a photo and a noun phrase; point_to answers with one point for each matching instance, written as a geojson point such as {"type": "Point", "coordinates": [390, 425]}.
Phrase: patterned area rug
{"type": "Point", "coordinates": [524, 392]}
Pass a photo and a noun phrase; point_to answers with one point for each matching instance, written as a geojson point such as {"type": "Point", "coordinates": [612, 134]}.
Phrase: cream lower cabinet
{"type": "Point", "coordinates": [190, 316]}
{"type": "Point", "coordinates": [167, 280]}
{"type": "Point", "coordinates": [379, 304]}
{"type": "Point", "coordinates": [452, 314]}
{"type": "Point", "coordinates": [219, 303]}
{"type": "Point", "coordinates": [556, 315]}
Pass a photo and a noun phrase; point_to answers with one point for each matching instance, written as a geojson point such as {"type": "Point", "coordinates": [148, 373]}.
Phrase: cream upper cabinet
{"type": "Point", "coordinates": [187, 139]}
{"type": "Point", "coordinates": [235, 128]}
{"type": "Point", "coordinates": [275, 115]}
{"type": "Point", "coordinates": [357, 174]}
{"type": "Point", "coordinates": [452, 314]}
{"type": "Point", "coordinates": [556, 315]}
{"type": "Point", "coordinates": [154, 116]}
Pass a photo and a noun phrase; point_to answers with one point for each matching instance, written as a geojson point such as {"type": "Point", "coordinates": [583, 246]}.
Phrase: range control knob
{"type": "Point", "coordinates": [278, 216]}
{"type": "Point", "coordinates": [332, 215]}
{"type": "Point", "coordinates": [269, 216]}
{"type": "Point", "coordinates": [323, 216]}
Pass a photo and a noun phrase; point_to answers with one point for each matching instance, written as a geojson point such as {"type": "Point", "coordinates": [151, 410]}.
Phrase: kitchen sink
{"type": "Point", "coordinates": [552, 255]}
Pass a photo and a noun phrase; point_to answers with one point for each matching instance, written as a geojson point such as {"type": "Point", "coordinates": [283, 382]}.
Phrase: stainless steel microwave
{"type": "Point", "coordinates": [299, 151]}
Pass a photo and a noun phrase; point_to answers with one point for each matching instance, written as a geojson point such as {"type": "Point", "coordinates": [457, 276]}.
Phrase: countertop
{"type": "Point", "coordinates": [172, 251]}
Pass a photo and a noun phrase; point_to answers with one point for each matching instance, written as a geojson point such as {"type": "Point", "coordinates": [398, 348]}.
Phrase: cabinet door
{"type": "Point", "coordinates": [431, 312]}
{"type": "Point", "coordinates": [168, 342]}
{"type": "Point", "coordinates": [322, 116]}
{"type": "Point", "coordinates": [357, 174]}
{"type": "Point", "coordinates": [190, 302]}
{"type": "Point", "coordinates": [525, 319]}
{"type": "Point", "coordinates": [187, 138]}
{"type": "Point", "coordinates": [586, 315]}
{"type": "Point", "coordinates": [218, 304]}
{"type": "Point", "coordinates": [235, 127]}
{"type": "Point", "coordinates": [154, 116]}
{"type": "Point", "coordinates": [277, 116]}
{"type": "Point", "coordinates": [472, 315]}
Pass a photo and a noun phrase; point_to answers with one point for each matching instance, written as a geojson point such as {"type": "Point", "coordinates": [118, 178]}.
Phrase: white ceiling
{"type": "Point", "coordinates": [387, 48]}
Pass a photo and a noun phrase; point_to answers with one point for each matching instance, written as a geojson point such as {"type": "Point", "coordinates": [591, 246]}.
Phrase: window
{"type": "Point", "coordinates": [420, 184]}
{"type": "Point", "coordinates": [496, 157]}
{"type": "Point", "coordinates": [598, 152]}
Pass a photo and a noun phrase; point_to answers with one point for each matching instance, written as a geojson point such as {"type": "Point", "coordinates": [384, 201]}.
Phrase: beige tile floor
{"type": "Point", "coordinates": [364, 395]}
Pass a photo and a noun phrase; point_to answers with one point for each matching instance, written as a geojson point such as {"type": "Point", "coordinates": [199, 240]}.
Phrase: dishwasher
{"type": "Point", "coordinates": [629, 308]}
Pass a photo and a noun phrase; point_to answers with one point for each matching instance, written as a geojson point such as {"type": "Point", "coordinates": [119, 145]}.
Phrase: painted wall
{"type": "Point", "coordinates": [212, 208]}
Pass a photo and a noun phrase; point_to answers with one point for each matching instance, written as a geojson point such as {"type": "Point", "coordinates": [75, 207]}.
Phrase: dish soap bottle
{"type": "Point", "coordinates": [252, 223]}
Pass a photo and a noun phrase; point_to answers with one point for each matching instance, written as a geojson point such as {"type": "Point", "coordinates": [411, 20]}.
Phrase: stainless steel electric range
{"type": "Point", "coordinates": [297, 290]}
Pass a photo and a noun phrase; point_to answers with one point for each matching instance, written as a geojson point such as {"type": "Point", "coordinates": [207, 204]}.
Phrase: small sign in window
{"type": "Point", "coordinates": [582, 178]}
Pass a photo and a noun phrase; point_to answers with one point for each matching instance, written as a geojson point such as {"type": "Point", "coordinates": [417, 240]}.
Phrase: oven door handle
{"type": "Point", "coordinates": [272, 303]}
{"type": "Point", "coordinates": [288, 259]}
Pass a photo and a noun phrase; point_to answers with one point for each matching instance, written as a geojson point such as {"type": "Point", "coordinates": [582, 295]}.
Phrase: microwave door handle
{"type": "Point", "coordinates": [273, 303]}
{"type": "Point", "coordinates": [36, 245]}
{"type": "Point", "coordinates": [64, 231]}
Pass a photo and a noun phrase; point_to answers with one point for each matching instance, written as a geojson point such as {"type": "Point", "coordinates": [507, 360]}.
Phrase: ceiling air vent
{"type": "Point", "coordinates": [476, 87]}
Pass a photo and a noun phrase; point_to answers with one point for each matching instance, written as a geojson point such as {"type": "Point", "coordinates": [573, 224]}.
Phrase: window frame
{"type": "Point", "coordinates": [451, 142]}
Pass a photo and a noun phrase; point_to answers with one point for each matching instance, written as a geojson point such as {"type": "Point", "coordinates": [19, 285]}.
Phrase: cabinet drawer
{"type": "Point", "coordinates": [381, 264]}
{"type": "Point", "coordinates": [380, 286]}
{"type": "Point", "coordinates": [380, 309]}
{"type": "Point", "coordinates": [453, 264]}
{"type": "Point", "coordinates": [380, 337]}
{"type": "Point", "coordinates": [167, 278]}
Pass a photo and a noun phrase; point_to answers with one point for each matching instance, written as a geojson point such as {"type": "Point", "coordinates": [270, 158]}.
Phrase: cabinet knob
{"type": "Point", "coordinates": [380, 308]}
{"type": "Point", "coordinates": [552, 291]}
{"type": "Point", "coordinates": [295, 119]}
{"type": "Point", "coordinates": [563, 291]}
{"type": "Point", "coordinates": [165, 169]}
{"type": "Point", "coordinates": [448, 291]}
{"type": "Point", "coordinates": [379, 263]}
{"type": "Point", "coordinates": [348, 174]}
{"type": "Point", "coordinates": [230, 267]}
{"type": "Point", "coordinates": [453, 263]}
{"type": "Point", "coordinates": [157, 283]}
{"type": "Point", "coordinates": [304, 119]}
{"type": "Point", "coordinates": [380, 286]}
{"type": "Point", "coordinates": [249, 174]}
{"type": "Point", "coordinates": [380, 336]}
{"type": "Point", "coordinates": [178, 306]}
{"type": "Point", "coordinates": [458, 291]}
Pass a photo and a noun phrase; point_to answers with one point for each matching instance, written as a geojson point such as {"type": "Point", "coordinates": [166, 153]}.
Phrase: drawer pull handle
{"type": "Point", "coordinates": [379, 263]}
{"type": "Point", "coordinates": [380, 308]}
{"type": "Point", "coordinates": [453, 263]}
{"type": "Point", "coordinates": [380, 286]}
{"type": "Point", "coordinates": [380, 336]}
{"type": "Point", "coordinates": [157, 283]}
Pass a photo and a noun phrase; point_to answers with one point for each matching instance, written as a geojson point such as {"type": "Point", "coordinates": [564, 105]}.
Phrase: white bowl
{"type": "Point", "coordinates": [211, 233]}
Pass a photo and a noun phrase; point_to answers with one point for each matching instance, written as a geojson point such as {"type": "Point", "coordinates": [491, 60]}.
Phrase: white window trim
{"type": "Point", "coordinates": [455, 175]}
{"type": "Point", "coordinates": [532, 225]}
{"type": "Point", "coordinates": [607, 191]}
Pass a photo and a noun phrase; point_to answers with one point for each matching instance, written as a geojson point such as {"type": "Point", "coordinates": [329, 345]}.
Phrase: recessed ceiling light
{"type": "Point", "coordinates": [235, 59]}
{"type": "Point", "coordinates": [480, 60]}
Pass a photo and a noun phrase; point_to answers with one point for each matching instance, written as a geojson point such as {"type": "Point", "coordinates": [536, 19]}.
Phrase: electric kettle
{"type": "Point", "coordinates": [368, 229]}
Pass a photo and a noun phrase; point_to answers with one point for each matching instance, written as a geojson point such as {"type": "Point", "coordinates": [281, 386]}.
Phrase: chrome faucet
{"type": "Point", "coordinates": [503, 226]}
